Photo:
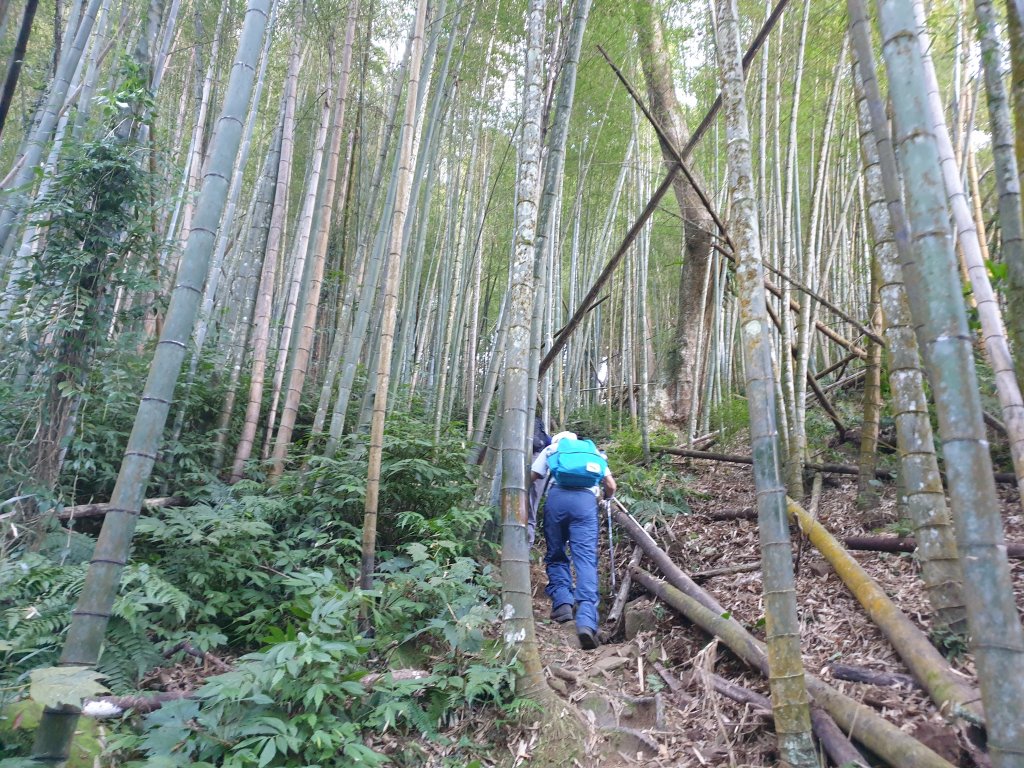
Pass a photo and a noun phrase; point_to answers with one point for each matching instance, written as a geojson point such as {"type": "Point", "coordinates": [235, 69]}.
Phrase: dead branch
{"type": "Point", "coordinates": [100, 509]}
{"type": "Point", "coordinates": [615, 614]}
{"type": "Point", "coordinates": [661, 559]}
{"type": "Point", "coordinates": [747, 513]}
{"type": "Point", "coordinates": [839, 748]}
{"type": "Point", "coordinates": [712, 573]}
{"type": "Point", "coordinates": [906, 544]}
{"type": "Point", "coordinates": [191, 650]}
{"type": "Point", "coordinates": [855, 674]}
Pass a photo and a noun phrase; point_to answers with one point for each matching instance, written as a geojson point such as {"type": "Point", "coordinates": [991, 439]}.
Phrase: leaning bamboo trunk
{"type": "Point", "coordinates": [1011, 216]}
{"type": "Point", "coordinates": [371, 270]}
{"type": "Point", "coordinates": [926, 499]}
{"type": "Point", "coordinates": [790, 704]}
{"type": "Point", "coordinates": [857, 720]}
{"type": "Point", "coordinates": [996, 347]}
{"type": "Point", "coordinates": [936, 301]}
{"type": "Point", "coordinates": [302, 257]}
{"type": "Point", "coordinates": [42, 131]}
{"type": "Point", "coordinates": [264, 299]}
{"type": "Point", "coordinates": [256, 254]}
{"type": "Point", "coordinates": [16, 60]}
{"type": "Point", "coordinates": [1015, 28]}
{"type": "Point", "coordinates": [92, 612]}
{"type": "Point", "coordinates": [929, 667]}
{"type": "Point", "coordinates": [390, 308]}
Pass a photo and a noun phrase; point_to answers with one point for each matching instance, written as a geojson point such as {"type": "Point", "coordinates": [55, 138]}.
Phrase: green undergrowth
{"type": "Point", "coordinates": [652, 488]}
{"type": "Point", "coordinates": [263, 575]}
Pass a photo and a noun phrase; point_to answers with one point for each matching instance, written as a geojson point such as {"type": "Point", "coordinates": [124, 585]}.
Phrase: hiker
{"type": "Point", "coordinates": [541, 440]}
{"type": "Point", "coordinates": [579, 474]}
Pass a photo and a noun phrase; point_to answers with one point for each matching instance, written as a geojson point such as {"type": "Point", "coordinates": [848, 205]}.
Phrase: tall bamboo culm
{"type": "Point", "coordinates": [926, 499]}
{"type": "Point", "coordinates": [1007, 171]}
{"type": "Point", "coordinates": [390, 308]}
{"type": "Point", "coordinates": [996, 346]}
{"type": "Point", "coordinates": [936, 302]}
{"type": "Point", "coordinates": [516, 594]}
{"type": "Point", "coordinates": [92, 612]}
{"type": "Point", "coordinates": [790, 702]}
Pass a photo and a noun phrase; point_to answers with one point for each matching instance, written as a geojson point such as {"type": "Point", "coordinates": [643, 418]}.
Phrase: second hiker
{"type": "Point", "coordinates": [579, 473]}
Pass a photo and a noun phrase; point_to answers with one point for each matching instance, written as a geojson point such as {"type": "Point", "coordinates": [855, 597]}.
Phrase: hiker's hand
{"type": "Point", "coordinates": [609, 485]}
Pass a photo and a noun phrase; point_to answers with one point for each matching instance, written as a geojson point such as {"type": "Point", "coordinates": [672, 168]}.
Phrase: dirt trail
{"type": "Point", "coordinates": [620, 684]}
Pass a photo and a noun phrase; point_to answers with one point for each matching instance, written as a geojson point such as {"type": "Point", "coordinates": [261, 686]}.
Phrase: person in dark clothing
{"type": "Point", "coordinates": [541, 440]}
{"type": "Point", "coordinates": [570, 519]}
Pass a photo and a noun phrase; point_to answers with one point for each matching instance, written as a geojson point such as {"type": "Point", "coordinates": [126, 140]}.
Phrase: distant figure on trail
{"type": "Point", "coordinates": [579, 472]}
{"type": "Point", "coordinates": [541, 440]}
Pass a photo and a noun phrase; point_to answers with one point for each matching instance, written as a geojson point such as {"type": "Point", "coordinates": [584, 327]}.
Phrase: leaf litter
{"type": "Point", "coordinates": [700, 727]}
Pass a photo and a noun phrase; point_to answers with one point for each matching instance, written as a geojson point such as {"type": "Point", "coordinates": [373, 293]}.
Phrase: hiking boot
{"type": "Point", "coordinates": [562, 613]}
{"type": "Point", "coordinates": [588, 638]}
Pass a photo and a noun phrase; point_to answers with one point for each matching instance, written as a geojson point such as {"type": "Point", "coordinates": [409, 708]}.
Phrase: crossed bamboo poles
{"type": "Point", "coordinates": [931, 671]}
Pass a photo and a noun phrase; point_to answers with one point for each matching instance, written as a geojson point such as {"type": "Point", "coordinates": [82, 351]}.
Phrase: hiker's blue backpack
{"type": "Point", "coordinates": [577, 464]}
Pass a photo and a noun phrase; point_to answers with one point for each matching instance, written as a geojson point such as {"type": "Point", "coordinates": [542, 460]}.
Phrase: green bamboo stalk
{"type": "Point", "coordinates": [1011, 215]}
{"type": "Point", "coordinates": [516, 593]}
{"type": "Point", "coordinates": [790, 704]}
{"type": "Point", "coordinates": [91, 614]}
{"type": "Point", "coordinates": [12, 202]}
{"type": "Point", "coordinates": [264, 297]}
{"type": "Point", "coordinates": [318, 248]}
{"type": "Point", "coordinates": [936, 301]}
{"type": "Point", "coordinates": [996, 346]}
{"type": "Point", "coordinates": [926, 499]}
{"type": "Point", "coordinates": [406, 157]}
{"type": "Point", "coordinates": [929, 667]}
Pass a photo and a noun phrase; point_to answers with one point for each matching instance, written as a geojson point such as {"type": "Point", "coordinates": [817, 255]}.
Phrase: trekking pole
{"type": "Point", "coordinates": [611, 540]}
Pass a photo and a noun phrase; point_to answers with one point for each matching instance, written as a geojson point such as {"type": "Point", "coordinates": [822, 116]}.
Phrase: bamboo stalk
{"type": "Point", "coordinates": [946, 689]}
{"type": "Point", "coordinates": [832, 738]}
{"type": "Point", "coordinates": [859, 721]}
{"type": "Point", "coordinates": [907, 544]}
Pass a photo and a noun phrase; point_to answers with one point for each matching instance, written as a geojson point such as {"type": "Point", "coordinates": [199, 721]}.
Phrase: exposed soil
{"type": "Point", "coordinates": [699, 727]}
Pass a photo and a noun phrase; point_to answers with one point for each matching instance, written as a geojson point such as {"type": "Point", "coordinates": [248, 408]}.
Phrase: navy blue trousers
{"type": "Point", "coordinates": [570, 518]}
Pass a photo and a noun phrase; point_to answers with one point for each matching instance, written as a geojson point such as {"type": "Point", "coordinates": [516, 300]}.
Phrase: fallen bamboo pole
{"type": "Point", "coordinates": [728, 571]}
{"type": "Point", "coordinates": [661, 559]}
{"type": "Point", "coordinates": [929, 667]}
{"type": "Point", "coordinates": [836, 469]}
{"type": "Point", "coordinates": [1006, 478]}
{"type": "Point", "coordinates": [854, 674]}
{"type": "Point", "coordinates": [100, 509]}
{"type": "Point", "coordinates": [906, 544]}
{"type": "Point", "coordinates": [837, 746]}
{"type": "Point", "coordinates": [862, 723]}
{"type": "Point", "coordinates": [615, 614]}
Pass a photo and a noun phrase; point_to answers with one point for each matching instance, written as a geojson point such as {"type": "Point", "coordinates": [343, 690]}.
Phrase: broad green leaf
{"type": "Point", "coordinates": [54, 686]}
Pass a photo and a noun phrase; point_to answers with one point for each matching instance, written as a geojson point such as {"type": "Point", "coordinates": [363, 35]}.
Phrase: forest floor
{"type": "Point", "coordinates": [620, 683]}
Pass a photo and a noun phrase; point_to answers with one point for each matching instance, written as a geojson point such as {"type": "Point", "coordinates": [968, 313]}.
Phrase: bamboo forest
{"type": "Point", "coordinates": [512, 383]}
